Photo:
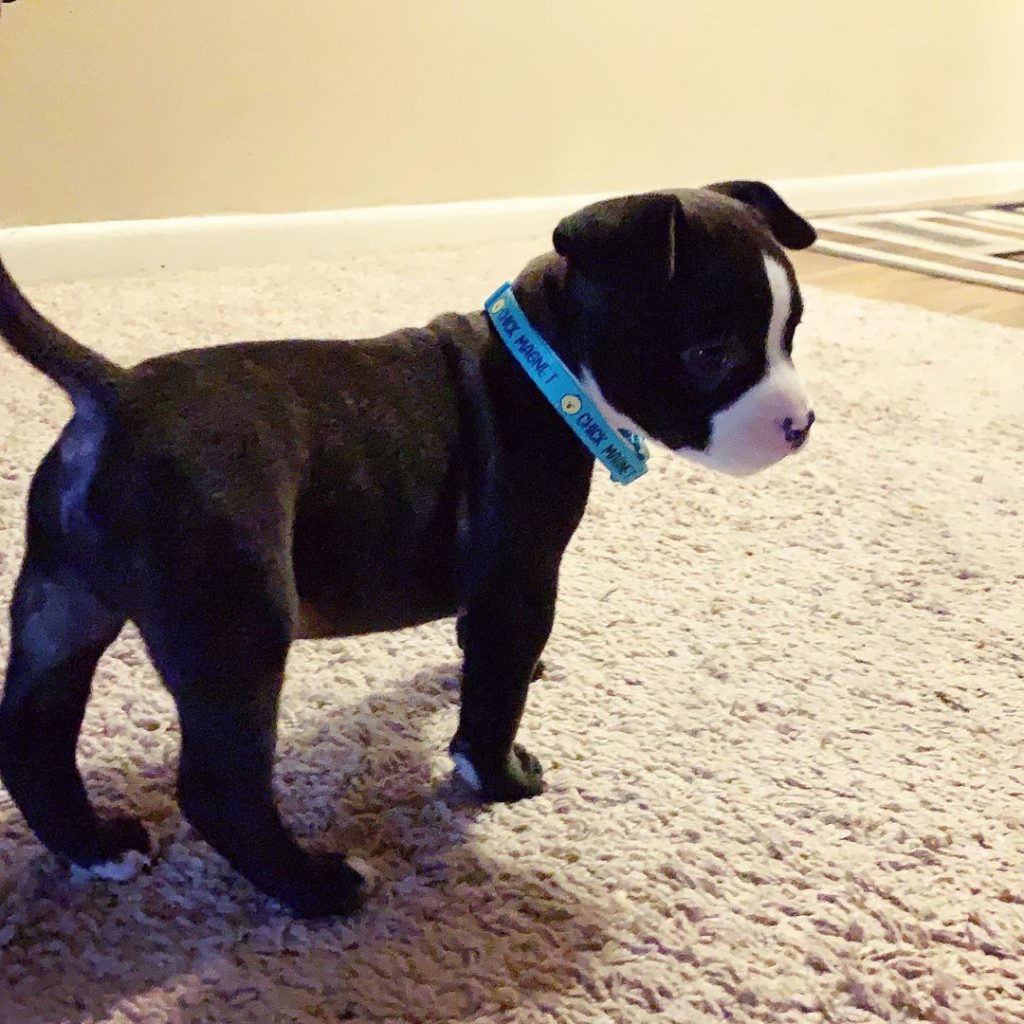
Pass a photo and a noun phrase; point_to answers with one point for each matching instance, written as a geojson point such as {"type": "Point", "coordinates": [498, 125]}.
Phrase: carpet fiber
{"type": "Point", "coordinates": [783, 722]}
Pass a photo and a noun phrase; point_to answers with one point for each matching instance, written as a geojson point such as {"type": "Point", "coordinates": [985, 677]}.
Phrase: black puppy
{"type": "Point", "coordinates": [230, 500]}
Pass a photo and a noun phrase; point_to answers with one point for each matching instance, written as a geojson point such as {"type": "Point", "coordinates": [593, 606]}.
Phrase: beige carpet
{"type": "Point", "coordinates": [783, 723]}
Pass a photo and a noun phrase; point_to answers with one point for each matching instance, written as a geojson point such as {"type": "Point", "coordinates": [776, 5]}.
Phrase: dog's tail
{"type": "Point", "coordinates": [82, 373]}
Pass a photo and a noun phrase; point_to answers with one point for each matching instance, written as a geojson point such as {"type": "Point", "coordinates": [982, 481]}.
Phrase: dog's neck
{"type": "Point", "coordinates": [554, 301]}
{"type": "Point", "coordinates": [560, 462]}
{"type": "Point", "coordinates": [540, 288]}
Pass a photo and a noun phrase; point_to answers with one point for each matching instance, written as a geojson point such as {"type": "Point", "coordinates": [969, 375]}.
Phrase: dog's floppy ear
{"type": "Point", "coordinates": [629, 241]}
{"type": "Point", "coordinates": [789, 228]}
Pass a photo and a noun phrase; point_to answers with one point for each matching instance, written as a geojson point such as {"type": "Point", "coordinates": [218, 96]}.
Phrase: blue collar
{"type": "Point", "coordinates": [621, 451]}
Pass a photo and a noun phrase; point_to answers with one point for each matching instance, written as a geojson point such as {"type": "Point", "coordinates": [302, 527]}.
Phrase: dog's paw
{"type": "Point", "coordinates": [520, 777]}
{"type": "Point", "coordinates": [117, 850]}
{"type": "Point", "coordinates": [119, 835]}
{"type": "Point", "coordinates": [329, 886]}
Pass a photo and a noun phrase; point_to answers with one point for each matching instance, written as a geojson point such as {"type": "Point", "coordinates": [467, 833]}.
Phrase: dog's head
{"type": "Point", "coordinates": [684, 307]}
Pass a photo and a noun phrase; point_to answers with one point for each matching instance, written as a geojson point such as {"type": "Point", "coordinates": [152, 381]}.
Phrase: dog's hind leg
{"type": "Point", "coordinates": [221, 650]}
{"type": "Point", "coordinates": [59, 630]}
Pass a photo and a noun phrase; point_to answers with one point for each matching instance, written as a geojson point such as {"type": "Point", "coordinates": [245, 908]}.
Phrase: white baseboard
{"type": "Point", "coordinates": [60, 251]}
{"type": "Point", "coordinates": [848, 193]}
{"type": "Point", "coordinates": [64, 251]}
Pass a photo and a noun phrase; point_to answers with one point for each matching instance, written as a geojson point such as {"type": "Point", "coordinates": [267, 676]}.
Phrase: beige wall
{"type": "Point", "coordinates": [116, 109]}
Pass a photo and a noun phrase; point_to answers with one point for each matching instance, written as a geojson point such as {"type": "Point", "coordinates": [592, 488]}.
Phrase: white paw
{"type": "Point", "coordinates": [465, 768]}
{"type": "Point", "coordinates": [370, 877]}
{"type": "Point", "coordinates": [120, 870]}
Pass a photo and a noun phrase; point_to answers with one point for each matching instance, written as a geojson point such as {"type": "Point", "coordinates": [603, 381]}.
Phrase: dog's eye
{"type": "Point", "coordinates": [711, 361]}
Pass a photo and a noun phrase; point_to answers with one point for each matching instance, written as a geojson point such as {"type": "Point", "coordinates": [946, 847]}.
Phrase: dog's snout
{"type": "Point", "coordinates": [796, 436]}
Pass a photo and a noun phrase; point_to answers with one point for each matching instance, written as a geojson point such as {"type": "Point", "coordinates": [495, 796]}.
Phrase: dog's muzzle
{"type": "Point", "coordinates": [772, 420]}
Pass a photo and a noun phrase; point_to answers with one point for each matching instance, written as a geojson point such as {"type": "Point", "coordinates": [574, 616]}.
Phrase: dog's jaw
{"type": "Point", "coordinates": [619, 420]}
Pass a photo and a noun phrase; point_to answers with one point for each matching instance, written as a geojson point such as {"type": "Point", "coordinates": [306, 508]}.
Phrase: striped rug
{"type": "Point", "coordinates": [983, 245]}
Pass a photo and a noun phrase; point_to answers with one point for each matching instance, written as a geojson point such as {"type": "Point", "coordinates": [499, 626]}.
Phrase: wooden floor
{"type": "Point", "coordinates": [872, 281]}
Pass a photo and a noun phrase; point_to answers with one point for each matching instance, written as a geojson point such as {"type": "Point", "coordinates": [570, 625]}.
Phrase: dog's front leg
{"type": "Point", "coordinates": [503, 632]}
{"type": "Point", "coordinates": [460, 636]}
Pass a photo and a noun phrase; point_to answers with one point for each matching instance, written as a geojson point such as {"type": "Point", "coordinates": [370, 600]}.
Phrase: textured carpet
{"type": "Point", "coordinates": [783, 723]}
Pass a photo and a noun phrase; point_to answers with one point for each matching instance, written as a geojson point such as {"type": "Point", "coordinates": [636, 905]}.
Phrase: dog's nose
{"type": "Point", "coordinates": [796, 436]}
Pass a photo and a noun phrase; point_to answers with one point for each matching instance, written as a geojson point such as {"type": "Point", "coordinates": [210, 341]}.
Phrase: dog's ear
{"type": "Point", "coordinates": [628, 242]}
{"type": "Point", "coordinates": [789, 228]}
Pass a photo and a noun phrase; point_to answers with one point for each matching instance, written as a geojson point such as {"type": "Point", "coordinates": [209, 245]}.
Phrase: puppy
{"type": "Point", "coordinates": [230, 500]}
